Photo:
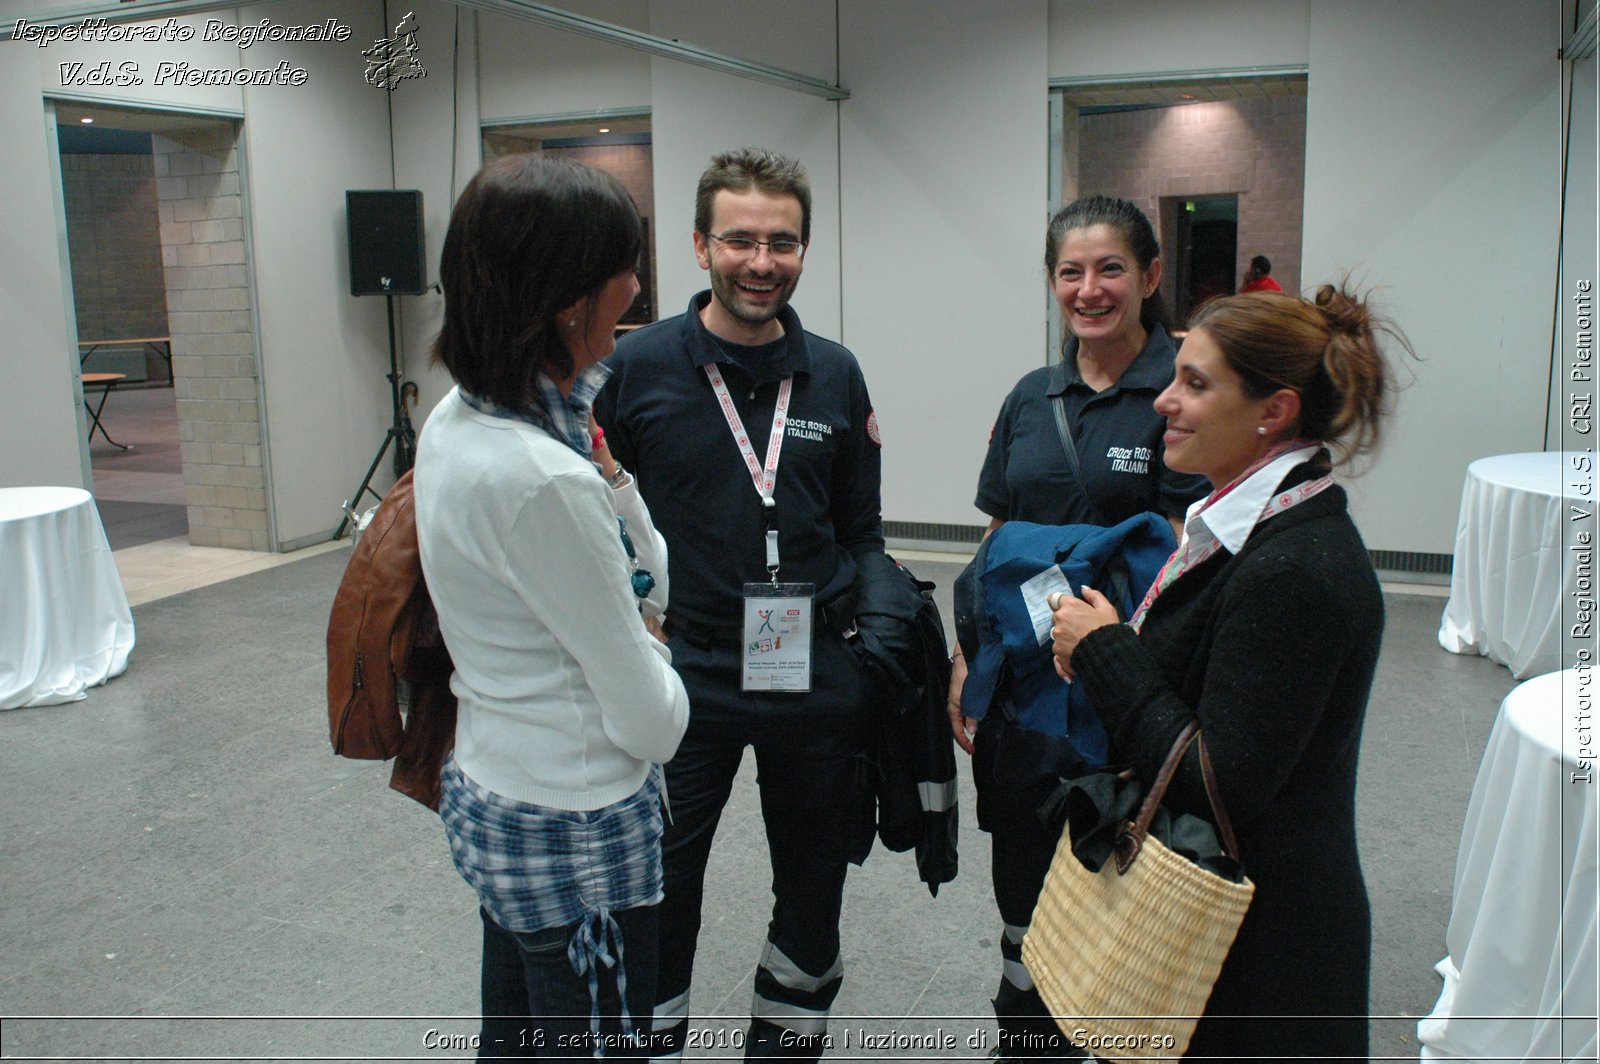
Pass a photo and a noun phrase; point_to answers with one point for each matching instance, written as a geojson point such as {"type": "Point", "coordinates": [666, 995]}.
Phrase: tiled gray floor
{"type": "Point", "coordinates": [181, 847]}
{"type": "Point", "coordinates": [139, 491]}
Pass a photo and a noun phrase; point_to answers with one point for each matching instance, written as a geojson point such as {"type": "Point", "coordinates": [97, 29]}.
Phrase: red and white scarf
{"type": "Point", "coordinates": [1234, 510]}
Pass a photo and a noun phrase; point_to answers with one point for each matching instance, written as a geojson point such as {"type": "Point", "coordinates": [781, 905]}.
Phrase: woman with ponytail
{"type": "Point", "coordinates": [1103, 265]}
{"type": "Point", "coordinates": [1264, 626]}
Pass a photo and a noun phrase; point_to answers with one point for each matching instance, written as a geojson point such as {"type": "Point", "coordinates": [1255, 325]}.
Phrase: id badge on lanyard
{"type": "Point", "coordinates": [778, 617]}
{"type": "Point", "coordinates": [777, 637]}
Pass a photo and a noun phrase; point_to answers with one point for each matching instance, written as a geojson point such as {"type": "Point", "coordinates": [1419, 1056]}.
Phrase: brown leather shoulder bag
{"type": "Point", "coordinates": [382, 630]}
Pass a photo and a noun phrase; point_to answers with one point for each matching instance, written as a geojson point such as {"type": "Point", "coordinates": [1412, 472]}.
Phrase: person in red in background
{"type": "Point", "coordinates": [1258, 278]}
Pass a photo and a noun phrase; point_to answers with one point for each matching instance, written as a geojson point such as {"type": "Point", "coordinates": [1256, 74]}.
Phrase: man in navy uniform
{"type": "Point", "coordinates": [756, 448]}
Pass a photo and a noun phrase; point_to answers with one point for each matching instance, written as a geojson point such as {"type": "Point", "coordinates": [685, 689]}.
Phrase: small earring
{"type": "Point", "coordinates": [572, 323]}
{"type": "Point", "coordinates": [1261, 430]}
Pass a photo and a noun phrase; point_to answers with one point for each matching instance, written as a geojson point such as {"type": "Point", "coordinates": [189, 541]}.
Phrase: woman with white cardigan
{"type": "Point", "coordinates": [547, 575]}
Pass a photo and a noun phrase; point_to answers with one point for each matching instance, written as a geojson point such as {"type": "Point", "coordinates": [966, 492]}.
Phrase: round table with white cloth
{"type": "Point", "coordinates": [65, 625]}
{"type": "Point", "coordinates": [1512, 570]}
{"type": "Point", "coordinates": [1519, 980]}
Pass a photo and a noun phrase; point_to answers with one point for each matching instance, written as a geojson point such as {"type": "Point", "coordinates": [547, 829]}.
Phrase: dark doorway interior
{"type": "Point", "coordinates": [1206, 241]}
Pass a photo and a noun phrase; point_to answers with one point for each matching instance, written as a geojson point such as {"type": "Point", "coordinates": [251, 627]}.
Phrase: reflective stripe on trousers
{"type": "Point", "coordinates": [1012, 970]}
{"type": "Point", "coordinates": [791, 997]}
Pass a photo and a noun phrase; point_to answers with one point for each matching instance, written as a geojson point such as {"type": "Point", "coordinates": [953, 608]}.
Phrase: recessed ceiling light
{"type": "Point", "coordinates": [605, 129]}
{"type": "Point", "coordinates": [1188, 95]}
{"type": "Point", "coordinates": [87, 121]}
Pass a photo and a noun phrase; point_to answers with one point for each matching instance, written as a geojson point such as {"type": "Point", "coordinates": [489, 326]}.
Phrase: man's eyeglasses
{"type": "Point", "coordinates": [745, 245]}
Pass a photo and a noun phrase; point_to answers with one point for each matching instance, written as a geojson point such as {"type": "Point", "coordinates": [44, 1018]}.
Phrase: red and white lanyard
{"type": "Point", "coordinates": [765, 477]}
{"type": "Point", "coordinates": [1183, 560]}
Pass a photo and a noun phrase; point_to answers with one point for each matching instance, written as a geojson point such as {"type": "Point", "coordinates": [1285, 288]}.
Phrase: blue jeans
{"type": "Point", "coordinates": [537, 1006]}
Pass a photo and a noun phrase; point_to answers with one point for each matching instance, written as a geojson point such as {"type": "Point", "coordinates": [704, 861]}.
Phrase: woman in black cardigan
{"type": "Point", "coordinates": [1265, 627]}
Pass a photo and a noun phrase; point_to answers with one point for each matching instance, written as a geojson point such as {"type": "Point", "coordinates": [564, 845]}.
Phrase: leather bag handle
{"type": "Point", "coordinates": [1131, 841]}
{"type": "Point", "coordinates": [1230, 845]}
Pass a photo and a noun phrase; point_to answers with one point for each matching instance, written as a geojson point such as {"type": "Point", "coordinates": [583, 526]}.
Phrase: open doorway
{"type": "Point", "coordinates": [619, 144]}
{"type": "Point", "coordinates": [1165, 141]}
{"type": "Point", "coordinates": [154, 216]}
{"type": "Point", "coordinates": [108, 185]}
{"type": "Point", "coordinates": [1204, 245]}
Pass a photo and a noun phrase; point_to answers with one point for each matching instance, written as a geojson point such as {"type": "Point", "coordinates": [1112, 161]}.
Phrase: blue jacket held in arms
{"type": "Point", "coordinates": [1003, 620]}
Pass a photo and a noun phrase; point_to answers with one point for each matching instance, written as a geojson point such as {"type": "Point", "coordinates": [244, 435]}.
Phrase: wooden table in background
{"type": "Point", "coordinates": [161, 345]}
{"type": "Point", "coordinates": [105, 382]}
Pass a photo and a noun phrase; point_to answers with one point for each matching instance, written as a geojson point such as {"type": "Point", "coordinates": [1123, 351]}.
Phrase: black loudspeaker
{"type": "Point", "coordinates": [387, 252]}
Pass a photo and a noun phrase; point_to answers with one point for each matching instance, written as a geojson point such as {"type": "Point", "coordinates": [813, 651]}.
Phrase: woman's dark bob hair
{"type": "Point", "coordinates": [529, 237]}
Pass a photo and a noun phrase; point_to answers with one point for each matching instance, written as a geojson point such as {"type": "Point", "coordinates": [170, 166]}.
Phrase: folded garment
{"type": "Point", "coordinates": [1099, 807]}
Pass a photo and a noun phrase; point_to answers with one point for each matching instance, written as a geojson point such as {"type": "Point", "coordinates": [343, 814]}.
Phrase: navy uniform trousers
{"type": "Point", "coordinates": [814, 786]}
{"type": "Point", "coordinates": [1015, 771]}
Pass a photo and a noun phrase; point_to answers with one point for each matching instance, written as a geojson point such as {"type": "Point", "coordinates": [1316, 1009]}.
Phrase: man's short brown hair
{"type": "Point", "coordinates": [753, 169]}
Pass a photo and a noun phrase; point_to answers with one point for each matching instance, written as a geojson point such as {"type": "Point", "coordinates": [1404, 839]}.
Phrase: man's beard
{"type": "Point", "coordinates": [726, 291]}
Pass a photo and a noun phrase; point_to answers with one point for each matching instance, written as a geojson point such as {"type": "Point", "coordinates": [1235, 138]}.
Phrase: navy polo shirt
{"type": "Point", "coordinates": [663, 423]}
{"type": "Point", "coordinates": [1117, 433]}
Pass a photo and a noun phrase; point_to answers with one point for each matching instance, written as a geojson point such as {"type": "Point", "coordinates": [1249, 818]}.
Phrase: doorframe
{"type": "Point", "coordinates": [69, 302]}
{"type": "Point", "coordinates": [53, 100]}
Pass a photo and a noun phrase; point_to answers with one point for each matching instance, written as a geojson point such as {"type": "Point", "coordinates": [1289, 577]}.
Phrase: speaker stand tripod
{"type": "Point", "coordinates": [400, 434]}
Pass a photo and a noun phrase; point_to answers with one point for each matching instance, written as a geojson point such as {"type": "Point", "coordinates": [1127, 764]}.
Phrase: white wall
{"type": "Point", "coordinates": [41, 437]}
{"type": "Point", "coordinates": [940, 346]}
{"type": "Point", "coordinates": [943, 151]}
{"type": "Point", "coordinates": [531, 70]}
{"type": "Point", "coordinates": [1431, 165]}
{"type": "Point", "coordinates": [953, 76]}
{"type": "Point", "coordinates": [1091, 38]}
{"type": "Point", "coordinates": [324, 352]}
{"type": "Point", "coordinates": [1571, 375]}
{"type": "Point", "coordinates": [147, 56]}
{"type": "Point", "coordinates": [1432, 155]}
{"type": "Point", "coordinates": [423, 119]}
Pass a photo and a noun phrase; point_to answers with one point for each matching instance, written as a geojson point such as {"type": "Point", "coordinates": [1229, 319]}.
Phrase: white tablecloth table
{"type": "Point", "coordinates": [65, 625]}
{"type": "Point", "coordinates": [1519, 980]}
{"type": "Point", "coordinates": [1512, 570]}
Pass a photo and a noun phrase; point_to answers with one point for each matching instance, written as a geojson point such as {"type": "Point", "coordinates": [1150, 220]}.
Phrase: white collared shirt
{"type": "Point", "coordinates": [1232, 518]}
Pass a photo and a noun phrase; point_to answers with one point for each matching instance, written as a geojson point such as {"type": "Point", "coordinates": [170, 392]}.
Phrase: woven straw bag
{"type": "Point", "coordinates": [1125, 958]}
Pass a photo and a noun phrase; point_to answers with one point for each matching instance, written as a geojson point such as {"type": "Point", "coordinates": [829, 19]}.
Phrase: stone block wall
{"type": "Point", "coordinates": [1252, 148]}
{"type": "Point", "coordinates": [112, 238]}
{"type": "Point", "coordinates": [213, 339]}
